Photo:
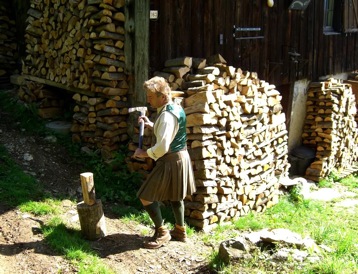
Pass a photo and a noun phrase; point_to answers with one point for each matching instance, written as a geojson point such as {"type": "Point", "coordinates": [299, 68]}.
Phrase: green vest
{"type": "Point", "coordinates": [179, 141]}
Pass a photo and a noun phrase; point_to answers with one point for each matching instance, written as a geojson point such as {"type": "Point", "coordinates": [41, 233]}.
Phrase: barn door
{"type": "Point", "coordinates": [248, 35]}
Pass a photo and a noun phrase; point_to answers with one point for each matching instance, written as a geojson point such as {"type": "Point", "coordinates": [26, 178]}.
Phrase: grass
{"type": "Point", "coordinates": [68, 242]}
{"type": "Point", "coordinates": [336, 229]}
{"type": "Point", "coordinates": [46, 207]}
{"type": "Point", "coordinates": [16, 187]}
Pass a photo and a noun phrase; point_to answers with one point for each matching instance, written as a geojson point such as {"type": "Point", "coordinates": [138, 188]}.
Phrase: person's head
{"type": "Point", "coordinates": [158, 91]}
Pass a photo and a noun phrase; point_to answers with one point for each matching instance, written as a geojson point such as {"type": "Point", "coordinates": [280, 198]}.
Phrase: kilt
{"type": "Point", "coordinates": [172, 179]}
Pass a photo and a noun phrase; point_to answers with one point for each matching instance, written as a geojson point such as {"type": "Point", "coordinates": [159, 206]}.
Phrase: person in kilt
{"type": "Point", "coordinates": [172, 177]}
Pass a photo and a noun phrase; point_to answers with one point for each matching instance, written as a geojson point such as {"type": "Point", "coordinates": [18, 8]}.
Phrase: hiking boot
{"type": "Point", "coordinates": [178, 233]}
{"type": "Point", "coordinates": [160, 238]}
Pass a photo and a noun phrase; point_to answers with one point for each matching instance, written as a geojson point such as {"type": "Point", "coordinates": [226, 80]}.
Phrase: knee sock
{"type": "Point", "coordinates": [178, 210]}
{"type": "Point", "coordinates": [155, 214]}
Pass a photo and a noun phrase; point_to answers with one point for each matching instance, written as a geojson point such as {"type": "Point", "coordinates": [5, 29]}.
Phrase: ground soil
{"type": "Point", "coordinates": [22, 245]}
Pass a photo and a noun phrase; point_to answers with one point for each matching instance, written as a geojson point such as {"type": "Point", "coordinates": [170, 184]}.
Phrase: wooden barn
{"type": "Point", "coordinates": [257, 79]}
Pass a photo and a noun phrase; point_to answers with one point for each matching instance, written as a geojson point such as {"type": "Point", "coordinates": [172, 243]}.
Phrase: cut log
{"type": "Point", "coordinates": [92, 220]}
{"type": "Point", "coordinates": [179, 62]}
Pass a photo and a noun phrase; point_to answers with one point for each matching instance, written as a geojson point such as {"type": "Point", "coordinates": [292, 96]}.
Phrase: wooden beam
{"type": "Point", "coordinates": [54, 84]}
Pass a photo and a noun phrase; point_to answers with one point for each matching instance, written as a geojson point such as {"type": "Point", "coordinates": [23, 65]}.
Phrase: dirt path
{"type": "Point", "coordinates": [22, 247]}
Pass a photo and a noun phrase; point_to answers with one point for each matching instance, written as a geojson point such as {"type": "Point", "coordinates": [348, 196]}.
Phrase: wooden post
{"type": "Point", "coordinates": [90, 211]}
{"type": "Point", "coordinates": [141, 49]}
{"type": "Point", "coordinates": [137, 48]}
{"type": "Point", "coordinates": [88, 190]}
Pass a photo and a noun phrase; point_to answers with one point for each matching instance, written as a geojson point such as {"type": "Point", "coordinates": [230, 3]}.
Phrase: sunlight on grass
{"type": "Point", "coordinates": [351, 182]}
{"type": "Point", "coordinates": [48, 206]}
{"type": "Point", "coordinates": [334, 228]}
{"type": "Point", "coordinates": [69, 243]}
{"type": "Point", "coordinates": [93, 265]}
{"type": "Point", "coordinates": [142, 217]}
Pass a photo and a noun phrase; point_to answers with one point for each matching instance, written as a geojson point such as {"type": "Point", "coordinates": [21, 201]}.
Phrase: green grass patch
{"type": "Point", "coordinates": [326, 225]}
{"type": "Point", "coordinates": [140, 217]}
{"type": "Point", "coordinates": [68, 242]}
{"type": "Point", "coordinates": [16, 187]}
{"type": "Point", "coordinates": [350, 181]}
{"type": "Point", "coordinates": [45, 207]}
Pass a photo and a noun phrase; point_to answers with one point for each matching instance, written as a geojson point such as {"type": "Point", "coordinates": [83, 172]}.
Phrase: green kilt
{"type": "Point", "coordinates": [172, 179]}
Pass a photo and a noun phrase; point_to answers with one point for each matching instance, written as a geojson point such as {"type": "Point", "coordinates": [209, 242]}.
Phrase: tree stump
{"type": "Point", "coordinates": [90, 211]}
{"type": "Point", "coordinates": [92, 220]}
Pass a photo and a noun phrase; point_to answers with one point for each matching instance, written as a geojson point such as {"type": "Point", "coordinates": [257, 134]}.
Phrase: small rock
{"type": "Point", "coordinates": [313, 259]}
{"type": "Point", "coordinates": [28, 157]}
{"type": "Point", "coordinates": [299, 255]}
{"type": "Point", "coordinates": [51, 139]}
{"type": "Point", "coordinates": [348, 203]}
{"type": "Point", "coordinates": [66, 203]}
{"type": "Point", "coordinates": [282, 235]}
{"type": "Point", "coordinates": [72, 212]}
{"type": "Point", "coordinates": [281, 255]}
{"type": "Point", "coordinates": [74, 219]}
{"type": "Point", "coordinates": [86, 150]}
{"type": "Point", "coordinates": [326, 248]}
{"type": "Point", "coordinates": [234, 249]}
{"type": "Point", "coordinates": [323, 194]}
{"type": "Point", "coordinates": [26, 216]}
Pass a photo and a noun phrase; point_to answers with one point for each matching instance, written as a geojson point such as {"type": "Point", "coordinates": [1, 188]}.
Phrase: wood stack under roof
{"type": "Point", "coordinates": [79, 44]}
{"type": "Point", "coordinates": [331, 128]}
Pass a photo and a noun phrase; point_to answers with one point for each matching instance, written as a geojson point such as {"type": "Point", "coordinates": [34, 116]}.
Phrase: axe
{"type": "Point", "coordinates": [142, 111]}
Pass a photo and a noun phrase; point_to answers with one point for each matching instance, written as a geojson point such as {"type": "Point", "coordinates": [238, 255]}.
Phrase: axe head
{"type": "Point", "coordinates": [142, 110]}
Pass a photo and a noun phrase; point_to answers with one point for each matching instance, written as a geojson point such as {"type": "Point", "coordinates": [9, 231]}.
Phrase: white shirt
{"type": "Point", "coordinates": [165, 128]}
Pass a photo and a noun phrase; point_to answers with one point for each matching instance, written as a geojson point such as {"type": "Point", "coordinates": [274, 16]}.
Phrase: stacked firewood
{"type": "Point", "coordinates": [48, 102]}
{"type": "Point", "coordinates": [237, 138]}
{"type": "Point", "coordinates": [105, 57]}
{"type": "Point", "coordinates": [353, 81]}
{"type": "Point", "coordinates": [78, 43]}
{"type": "Point", "coordinates": [330, 128]}
{"type": "Point", "coordinates": [8, 45]}
{"type": "Point", "coordinates": [101, 123]}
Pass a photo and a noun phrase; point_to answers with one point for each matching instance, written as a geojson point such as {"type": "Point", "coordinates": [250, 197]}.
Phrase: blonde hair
{"type": "Point", "coordinates": [159, 86]}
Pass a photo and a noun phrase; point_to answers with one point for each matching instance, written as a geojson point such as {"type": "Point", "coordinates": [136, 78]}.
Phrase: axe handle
{"type": "Point", "coordinates": [141, 131]}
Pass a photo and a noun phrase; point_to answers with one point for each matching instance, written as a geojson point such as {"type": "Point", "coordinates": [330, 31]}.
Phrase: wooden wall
{"type": "Point", "coordinates": [200, 28]}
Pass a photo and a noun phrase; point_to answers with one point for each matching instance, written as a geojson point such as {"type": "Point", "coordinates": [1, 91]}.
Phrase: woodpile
{"type": "Point", "coordinates": [237, 138]}
{"type": "Point", "coordinates": [48, 102]}
{"type": "Point", "coordinates": [79, 44]}
{"type": "Point", "coordinates": [8, 45]}
{"type": "Point", "coordinates": [101, 123]}
{"type": "Point", "coordinates": [331, 128]}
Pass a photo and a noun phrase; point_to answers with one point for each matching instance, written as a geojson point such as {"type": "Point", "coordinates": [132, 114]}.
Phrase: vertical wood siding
{"type": "Point", "coordinates": [194, 27]}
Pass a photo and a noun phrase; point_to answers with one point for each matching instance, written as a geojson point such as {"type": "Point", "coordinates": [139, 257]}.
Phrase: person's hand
{"type": "Point", "coordinates": [146, 121]}
{"type": "Point", "coordinates": [140, 153]}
